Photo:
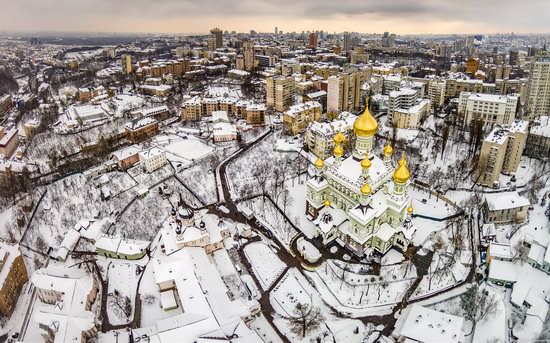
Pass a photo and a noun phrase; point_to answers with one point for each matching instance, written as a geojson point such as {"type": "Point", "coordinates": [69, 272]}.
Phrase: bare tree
{"type": "Point", "coordinates": [478, 305]}
{"type": "Point", "coordinates": [306, 318]}
{"type": "Point", "coordinates": [521, 252]}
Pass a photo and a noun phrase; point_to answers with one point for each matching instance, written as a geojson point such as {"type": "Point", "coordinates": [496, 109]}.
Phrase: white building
{"type": "Point", "coordinates": [419, 324]}
{"type": "Point", "coordinates": [492, 109]}
{"type": "Point", "coordinates": [152, 159]}
{"type": "Point", "coordinates": [222, 129]}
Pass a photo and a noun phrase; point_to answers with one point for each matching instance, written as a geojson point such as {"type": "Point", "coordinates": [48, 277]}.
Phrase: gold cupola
{"type": "Point", "coordinates": [366, 190]}
{"type": "Point", "coordinates": [410, 209]}
{"type": "Point", "coordinates": [365, 125]}
{"type": "Point", "coordinates": [338, 151]}
{"type": "Point", "coordinates": [402, 173]}
{"type": "Point", "coordinates": [366, 163]}
{"type": "Point", "coordinates": [388, 150]}
{"type": "Point", "coordinates": [319, 163]}
{"type": "Point", "coordinates": [339, 138]}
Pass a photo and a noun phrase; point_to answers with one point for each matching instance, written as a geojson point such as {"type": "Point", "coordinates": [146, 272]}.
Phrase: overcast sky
{"type": "Point", "coordinates": [198, 16]}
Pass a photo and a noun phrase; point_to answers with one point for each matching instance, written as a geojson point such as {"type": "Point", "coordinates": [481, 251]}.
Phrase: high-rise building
{"type": "Point", "coordinates": [514, 57]}
{"type": "Point", "coordinates": [313, 40]}
{"type": "Point", "coordinates": [212, 42]}
{"type": "Point", "coordinates": [126, 64]}
{"type": "Point", "coordinates": [280, 92]}
{"type": "Point", "coordinates": [276, 30]}
{"type": "Point", "coordinates": [538, 91]}
{"type": "Point", "coordinates": [501, 152]}
{"type": "Point", "coordinates": [343, 93]}
{"type": "Point", "coordinates": [219, 37]}
{"type": "Point", "coordinates": [347, 41]}
{"type": "Point", "coordinates": [249, 55]}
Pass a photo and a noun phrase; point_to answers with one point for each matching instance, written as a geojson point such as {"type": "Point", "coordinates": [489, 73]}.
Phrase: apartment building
{"type": "Point", "coordinates": [501, 152]}
{"type": "Point", "coordinates": [492, 109]}
{"type": "Point", "coordinates": [319, 135]}
{"type": "Point", "coordinates": [126, 62]}
{"type": "Point", "coordinates": [152, 159]}
{"type": "Point", "coordinates": [344, 93]}
{"type": "Point", "coordinates": [13, 275]}
{"type": "Point", "coordinates": [297, 117]}
{"type": "Point", "coordinates": [6, 103]}
{"type": "Point", "coordinates": [141, 128]}
{"type": "Point", "coordinates": [280, 92]}
{"type": "Point", "coordinates": [406, 110]}
{"type": "Point", "coordinates": [193, 109]}
{"type": "Point", "coordinates": [538, 139]}
{"type": "Point", "coordinates": [538, 93]}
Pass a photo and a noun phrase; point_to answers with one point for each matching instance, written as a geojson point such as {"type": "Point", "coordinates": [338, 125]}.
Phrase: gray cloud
{"type": "Point", "coordinates": [527, 14]}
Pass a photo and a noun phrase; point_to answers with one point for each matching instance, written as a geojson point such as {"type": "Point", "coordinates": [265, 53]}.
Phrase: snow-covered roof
{"type": "Point", "coordinates": [501, 250]}
{"type": "Point", "coordinates": [519, 292]}
{"type": "Point", "coordinates": [502, 270]}
{"type": "Point", "coordinates": [70, 318]}
{"type": "Point", "coordinates": [505, 200]}
{"type": "Point", "coordinates": [425, 325]}
{"type": "Point", "coordinates": [124, 153]}
{"type": "Point", "coordinates": [12, 251]}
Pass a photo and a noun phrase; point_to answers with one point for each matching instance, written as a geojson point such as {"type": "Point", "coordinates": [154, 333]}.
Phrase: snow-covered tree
{"type": "Point", "coordinates": [305, 318]}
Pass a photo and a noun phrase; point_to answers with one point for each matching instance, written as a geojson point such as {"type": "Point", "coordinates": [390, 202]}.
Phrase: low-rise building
{"type": "Point", "coordinates": [126, 157]}
{"type": "Point", "coordinates": [504, 208]}
{"type": "Point", "coordinates": [141, 128]}
{"type": "Point", "coordinates": [67, 295]}
{"type": "Point", "coordinates": [152, 159]}
{"type": "Point", "coordinates": [420, 324]}
{"type": "Point", "coordinates": [299, 116]}
{"type": "Point", "coordinates": [13, 275]}
{"type": "Point", "coordinates": [122, 248]}
{"type": "Point", "coordinates": [222, 129]}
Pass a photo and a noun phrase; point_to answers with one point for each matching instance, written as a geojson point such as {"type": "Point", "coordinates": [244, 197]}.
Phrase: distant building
{"type": "Point", "coordinates": [152, 159]}
{"type": "Point", "coordinates": [501, 152]}
{"type": "Point", "coordinates": [491, 109]}
{"type": "Point", "coordinates": [249, 55]}
{"type": "Point", "coordinates": [297, 117]}
{"type": "Point", "coordinates": [347, 42]}
{"type": "Point", "coordinates": [505, 208]}
{"type": "Point", "coordinates": [218, 37]}
{"type": "Point", "coordinates": [313, 40]}
{"type": "Point", "coordinates": [126, 64]}
{"type": "Point", "coordinates": [13, 275]}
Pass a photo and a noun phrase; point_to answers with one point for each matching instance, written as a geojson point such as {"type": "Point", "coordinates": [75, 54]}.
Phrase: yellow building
{"type": "Point", "coordinates": [501, 153]}
{"type": "Point", "coordinates": [280, 92]}
{"type": "Point", "coordinates": [299, 116]}
{"type": "Point", "coordinates": [13, 275]}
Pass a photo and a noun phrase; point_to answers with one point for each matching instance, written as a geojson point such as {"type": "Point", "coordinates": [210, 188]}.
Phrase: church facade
{"type": "Point", "coordinates": [361, 201]}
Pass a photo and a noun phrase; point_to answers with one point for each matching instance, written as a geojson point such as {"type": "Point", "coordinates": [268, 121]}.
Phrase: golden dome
{"type": "Point", "coordinates": [339, 138]}
{"type": "Point", "coordinates": [366, 163]}
{"type": "Point", "coordinates": [366, 190]}
{"type": "Point", "coordinates": [388, 150]}
{"type": "Point", "coordinates": [319, 163]}
{"type": "Point", "coordinates": [327, 203]}
{"type": "Point", "coordinates": [365, 125]}
{"type": "Point", "coordinates": [410, 209]}
{"type": "Point", "coordinates": [402, 173]}
{"type": "Point", "coordinates": [338, 151]}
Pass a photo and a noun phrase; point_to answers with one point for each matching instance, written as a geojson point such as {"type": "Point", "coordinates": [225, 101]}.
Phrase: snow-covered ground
{"type": "Point", "coordinates": [265, 263]}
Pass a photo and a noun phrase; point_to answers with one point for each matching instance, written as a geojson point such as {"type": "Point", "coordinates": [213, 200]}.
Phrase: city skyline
{"type": "Point", "coordinates": [169, 16]}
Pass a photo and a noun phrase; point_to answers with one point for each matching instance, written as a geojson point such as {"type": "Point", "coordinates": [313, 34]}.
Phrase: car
{"type": "Point", "coordinates": [268, 233]}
